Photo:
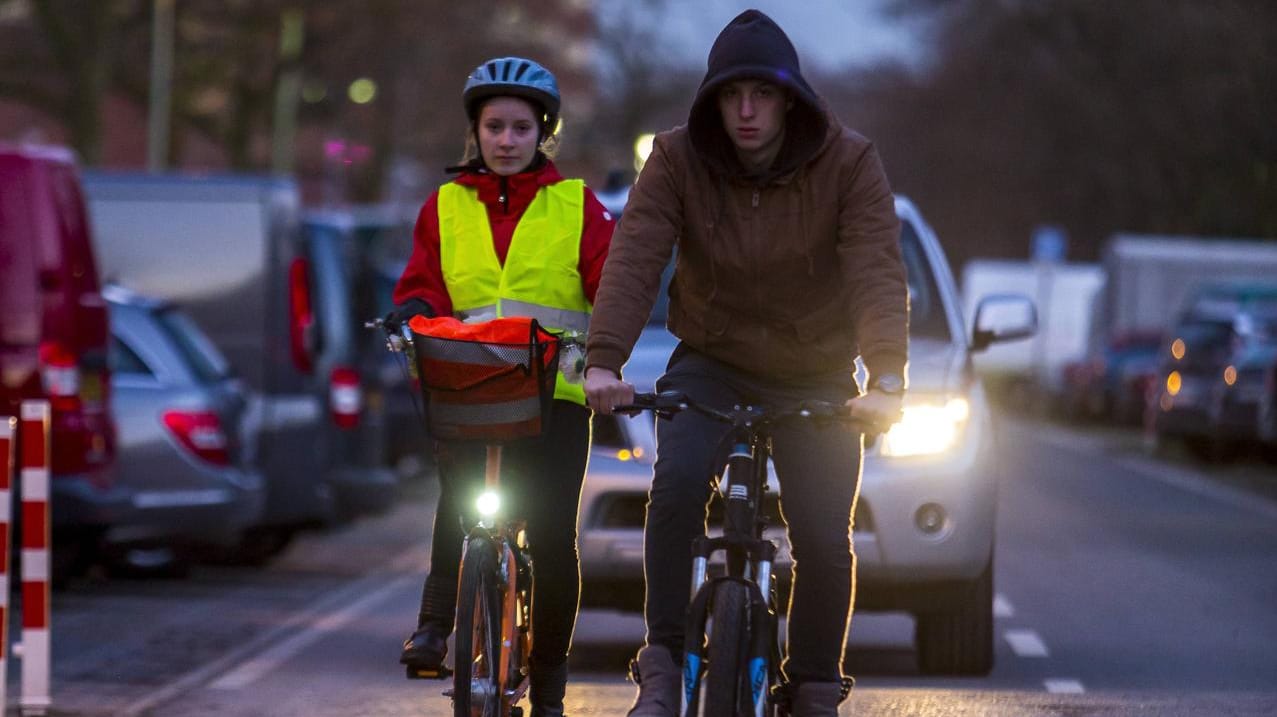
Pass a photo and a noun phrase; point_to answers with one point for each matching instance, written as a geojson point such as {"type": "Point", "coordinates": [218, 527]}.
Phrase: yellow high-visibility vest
{"type": "Point", "coordinates": [540, 277]}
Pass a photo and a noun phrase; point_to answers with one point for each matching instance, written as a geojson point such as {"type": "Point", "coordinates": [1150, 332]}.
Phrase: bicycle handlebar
{"type": "Point", "coordinates": [668, 403]}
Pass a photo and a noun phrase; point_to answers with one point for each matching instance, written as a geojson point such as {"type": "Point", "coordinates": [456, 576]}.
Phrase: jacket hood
{"type": "Point", "coordinates": [753, 46]}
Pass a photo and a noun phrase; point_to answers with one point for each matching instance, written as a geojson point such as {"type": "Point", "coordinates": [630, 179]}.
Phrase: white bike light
{"type": "Point", "coordinates": [488, 504]}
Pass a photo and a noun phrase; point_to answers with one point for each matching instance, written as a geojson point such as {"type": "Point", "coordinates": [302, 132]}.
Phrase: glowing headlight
{"type": "Point", "coordinates": [927, 428]}
{"type": "Point", "coordinates": [488, 504]}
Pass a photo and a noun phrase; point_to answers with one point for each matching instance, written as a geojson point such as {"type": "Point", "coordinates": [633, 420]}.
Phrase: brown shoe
{"type": "Point", "coordinates": [660, 683]}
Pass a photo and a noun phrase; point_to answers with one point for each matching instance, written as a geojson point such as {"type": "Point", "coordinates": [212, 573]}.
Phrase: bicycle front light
{"type": "Point", "coordinates": [488, 504]}
{"type": "Point", "coordinates": [928, 427]}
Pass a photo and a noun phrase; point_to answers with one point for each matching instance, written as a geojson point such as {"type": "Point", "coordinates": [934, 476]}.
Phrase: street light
{"type": "Point", "coordinates": [362, 91]}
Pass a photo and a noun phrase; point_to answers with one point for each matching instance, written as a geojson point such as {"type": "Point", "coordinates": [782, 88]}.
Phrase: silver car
{"type": "Point", "coordinates": [181, 451]}
{"type": "Point", "coordinates": [924, 524]}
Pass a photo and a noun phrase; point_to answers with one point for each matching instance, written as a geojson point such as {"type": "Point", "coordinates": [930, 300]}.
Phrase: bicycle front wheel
{"type": "Point", "coordinates": [727, 684]}
{"type": "Point", "coordinates": [476, 681]}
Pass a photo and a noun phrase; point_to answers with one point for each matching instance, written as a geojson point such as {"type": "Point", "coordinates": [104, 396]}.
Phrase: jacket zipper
{"type": "Point", "coordinates": [504, 196]}
{"type": "Point", "coordinates": [758, 299]}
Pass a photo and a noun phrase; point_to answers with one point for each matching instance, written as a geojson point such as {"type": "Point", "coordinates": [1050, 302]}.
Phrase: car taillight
{"type": "Point", "coordinates": [59, 373]}
{"type": "Point", "coordinates": [345, 397]}
{"type": "Point", "coordinates": [301, 315]}
{"type": "Point", "coordinates": [199, 432]}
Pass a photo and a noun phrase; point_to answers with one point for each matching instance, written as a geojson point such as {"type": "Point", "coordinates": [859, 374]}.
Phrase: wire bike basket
{"type": "Point", "coordinates": [491, 381]}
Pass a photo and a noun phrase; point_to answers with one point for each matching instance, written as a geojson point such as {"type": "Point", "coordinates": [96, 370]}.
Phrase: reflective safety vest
{"type": "Point", "coordinates": [540, 278]}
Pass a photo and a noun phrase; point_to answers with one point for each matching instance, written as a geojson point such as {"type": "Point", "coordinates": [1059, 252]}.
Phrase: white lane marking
{"type": "Point", "coordinates": [1002, 607]}
{"type": "Point", "coordinates": [1059, 686]}
{"type": "Point", "coordinates": [332, 600]}
{"type": "Point", "coordinates": [1185, 479]}
{"type": "Point", "coordinates": [319, 627]}
{"type": "Point", "coordinates": [1026, 643]}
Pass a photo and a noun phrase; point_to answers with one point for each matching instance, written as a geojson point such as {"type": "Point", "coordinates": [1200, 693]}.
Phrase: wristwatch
{"type": "Point", "coordinates": [888, 383]}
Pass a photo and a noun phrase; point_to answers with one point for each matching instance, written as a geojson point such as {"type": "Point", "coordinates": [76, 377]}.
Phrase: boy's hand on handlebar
{"type": "Point", "coordinates": [604, 389]}
{"type": "Point", "coordinates": [878, 408]}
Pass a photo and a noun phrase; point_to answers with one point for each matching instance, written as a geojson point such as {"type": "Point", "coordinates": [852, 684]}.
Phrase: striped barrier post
{"type": "Point", "coordinates": [36, 657]}
{"type": "Point", "coordinates": [8, 430]}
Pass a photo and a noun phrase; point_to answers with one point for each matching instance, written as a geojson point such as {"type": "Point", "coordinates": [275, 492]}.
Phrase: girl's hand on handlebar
{"type": "Point", "coordinates": [878, 408]}
{"type": "Point", "coordinates": [604, 389]}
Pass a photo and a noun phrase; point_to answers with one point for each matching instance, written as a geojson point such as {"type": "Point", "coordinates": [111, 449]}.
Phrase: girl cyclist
{"type": "Point", "coordinates": [510, 236]}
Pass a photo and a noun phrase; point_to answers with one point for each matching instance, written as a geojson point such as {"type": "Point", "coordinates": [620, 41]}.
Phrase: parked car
{"type": "Point", "coordinates": [1213, 369]}
{"type": "Point", "coordinates": [1192, 367]}
{"type": "Point", "coordinates": [924, 524]}
{"type": "Point", "coordinates": [370, 246]}
{"type": "Point", "coordinates": [183, 454]}
{"type": "Point", "coordinates": [1113, 383]}
{"type": "Point", "coordinates": [229, 250]}
{"type": "Point", "coordinates": [1236, 418]}
{"type": "Point", "coordinates": [1266, 411]}
{"type": "Point", "coordinates": [53, 342]}
{"type": "Point", "coordinates": [350, 356]}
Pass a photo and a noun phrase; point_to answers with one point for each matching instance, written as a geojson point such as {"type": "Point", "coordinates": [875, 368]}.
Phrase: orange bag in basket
{"type": "Point", "coordinates": [491, 381]}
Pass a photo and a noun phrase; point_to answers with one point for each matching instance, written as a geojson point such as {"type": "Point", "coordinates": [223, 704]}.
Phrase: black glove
{"type": "Point", "coordinates": [401, 314]}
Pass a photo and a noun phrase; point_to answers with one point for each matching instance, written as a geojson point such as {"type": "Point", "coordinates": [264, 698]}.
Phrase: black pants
{"type": "Point", "coordinates": [541, 482]}
{"type": "Point", "coordinates": [819, 472]}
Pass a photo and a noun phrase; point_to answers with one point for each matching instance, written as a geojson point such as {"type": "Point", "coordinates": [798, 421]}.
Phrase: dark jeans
{"type": "Point", "coordinates": [541, 481]}
{"type": "Point", "coordinates": [819, 472]}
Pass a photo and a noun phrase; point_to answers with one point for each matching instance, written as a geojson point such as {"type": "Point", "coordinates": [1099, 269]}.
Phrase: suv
{"type": "Point", "coordinates": [924, 523]}
{"type": "Point", "coordinates": [53, 341]}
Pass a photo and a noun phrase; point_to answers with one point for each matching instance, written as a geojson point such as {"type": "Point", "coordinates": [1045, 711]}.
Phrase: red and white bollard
{"type": "Point", "coordinates": [8, 431]}
{"type": "Point", "coordinates": [36, 656]}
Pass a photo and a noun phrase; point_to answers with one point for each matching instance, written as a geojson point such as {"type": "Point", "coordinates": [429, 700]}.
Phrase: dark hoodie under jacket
{"type": "Point", "coordinates": [787, 273]}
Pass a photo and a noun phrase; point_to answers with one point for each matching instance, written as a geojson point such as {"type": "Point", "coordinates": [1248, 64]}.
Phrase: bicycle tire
{"type": "Point", "coordinates": [476, 681]}
{"type": "Point", "coordinates": [727, 686]}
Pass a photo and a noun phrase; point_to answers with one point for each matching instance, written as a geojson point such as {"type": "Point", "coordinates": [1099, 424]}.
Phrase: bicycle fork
{"type": "Point", "coordinates": [753, 555]}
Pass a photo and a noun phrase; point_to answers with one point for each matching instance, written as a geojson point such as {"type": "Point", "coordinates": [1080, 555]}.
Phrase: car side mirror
{"type": "Point", "coordinates": [1003, 317]}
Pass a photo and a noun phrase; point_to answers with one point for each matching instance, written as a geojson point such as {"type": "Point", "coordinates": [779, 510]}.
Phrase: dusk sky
{"type": "Point", "coordinates": [827, 33]}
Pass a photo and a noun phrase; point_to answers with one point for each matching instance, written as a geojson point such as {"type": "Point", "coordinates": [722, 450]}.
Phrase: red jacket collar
{"type": "Point", "coordinates": [519, 188]}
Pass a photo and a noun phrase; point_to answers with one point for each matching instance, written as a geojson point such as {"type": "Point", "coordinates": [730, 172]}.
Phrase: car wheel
{"type": "Point", "coordinates": [258, 545]}
{"type": "Point", "coordinates": [959, 640]}
{"type": "Point", "coordinates": [75, 552]}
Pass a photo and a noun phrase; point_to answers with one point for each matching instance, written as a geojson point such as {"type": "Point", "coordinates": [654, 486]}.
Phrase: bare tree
{"type": "Point", "coordinates": [59, 56]}
{"type": "Point", "coordinates": [1143, 115]}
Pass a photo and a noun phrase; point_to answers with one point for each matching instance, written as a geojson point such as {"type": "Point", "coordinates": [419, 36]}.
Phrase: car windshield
{"type": "Point", "coordinates": [927, 317]}
{"type": "Point", "coordinates": [206, 361]}
{"type": "Point", "coordinates": [1201, 344]}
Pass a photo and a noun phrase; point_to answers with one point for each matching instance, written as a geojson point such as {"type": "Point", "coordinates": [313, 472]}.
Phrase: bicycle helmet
{"type": "Point", "coordinates": [513, 76]}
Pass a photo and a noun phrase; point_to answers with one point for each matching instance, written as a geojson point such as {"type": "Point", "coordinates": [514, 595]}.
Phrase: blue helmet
{"type": "Point", "coordinates": [512, 76]}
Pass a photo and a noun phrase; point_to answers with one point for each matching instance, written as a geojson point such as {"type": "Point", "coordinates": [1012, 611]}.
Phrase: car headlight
{"type": "Point", "coordinates": [929, 426]}
{"type": "Point", "coordinates": [488, 504]}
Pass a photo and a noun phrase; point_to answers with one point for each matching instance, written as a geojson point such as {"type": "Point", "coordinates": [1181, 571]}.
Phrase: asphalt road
{"type": "Point", "coordinates": [1125, 584]}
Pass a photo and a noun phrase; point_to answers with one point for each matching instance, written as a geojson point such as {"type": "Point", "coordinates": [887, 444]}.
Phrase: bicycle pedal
{"type": "Point", "coordinates": [425, 673]}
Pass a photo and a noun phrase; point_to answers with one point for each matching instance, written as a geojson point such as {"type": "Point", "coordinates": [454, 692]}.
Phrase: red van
{"type": "Point", "coordinates": [53, 337]}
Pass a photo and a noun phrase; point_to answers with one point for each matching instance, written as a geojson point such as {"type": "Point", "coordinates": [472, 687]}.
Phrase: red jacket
{"type": "Point", "coordinates": [423, 277]}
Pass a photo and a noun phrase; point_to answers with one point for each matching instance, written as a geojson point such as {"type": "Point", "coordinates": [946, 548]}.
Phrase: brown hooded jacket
{"type": "Point", "coordinates": [784, 274]}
